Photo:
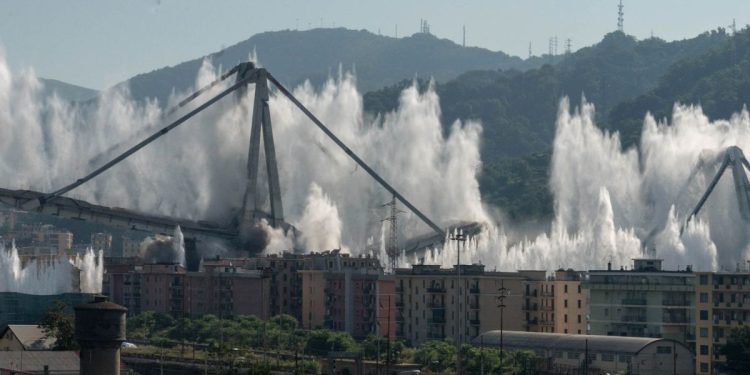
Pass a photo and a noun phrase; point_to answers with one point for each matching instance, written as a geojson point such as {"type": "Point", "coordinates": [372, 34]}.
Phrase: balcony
{"type": "Point", "coordinates": [436, 289]}
{"type": "Point", "coordinates": [474, 289]}
{"type": "Point", "coordinates": [474, 322]}
{"type": "Point", "coordinates": [531, 307]}
{"type": "Point", "coordinates": [436, 320]}
{"type": "Point", "coordinates": [633, 318]}
{"type": "Point", "coordinates": [437, 305]}
{"type": "Point", "coordinates": [684, 303]}
{"type": "Point", "coordinates": [634, 301]}
{"type": "Point", "coordinates": [676, 319]}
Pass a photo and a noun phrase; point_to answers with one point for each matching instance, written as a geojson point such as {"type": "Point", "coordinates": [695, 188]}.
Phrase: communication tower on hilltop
{"type": "Point", "coordinates": [391, 247]}
{"type": "Point", "coordinates": [529, 49]}
{"type": "Point", "coordinates": [555, 45]}
{"type": "Point", "coordinates": [464, 44]}
{"type": "Point", "coordinates": [567, 46]}
{"type": "Point", "coordinates": [550, 53]}
{"type": "Point", "coordinates": [620, 16]}
{"type": "Point", "coordinates": [424, 27]}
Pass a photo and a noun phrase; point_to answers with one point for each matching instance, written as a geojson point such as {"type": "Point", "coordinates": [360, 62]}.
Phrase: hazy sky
{"type": "Point", "coordinates": [97, 43]}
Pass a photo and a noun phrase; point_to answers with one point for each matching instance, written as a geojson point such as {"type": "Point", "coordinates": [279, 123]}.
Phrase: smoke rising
{"type": "Point", "coordinates": [163, 249]}
{"type": "Point", "coordinates": [607, 199]}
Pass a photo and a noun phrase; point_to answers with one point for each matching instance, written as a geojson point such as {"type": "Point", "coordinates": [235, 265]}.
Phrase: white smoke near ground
{"type": "Point", "coordinates": [607, 200]}
{"type": "Point", "coordinates": [54, 275]}
{"type": "Point", "coordinates": [320, 223]}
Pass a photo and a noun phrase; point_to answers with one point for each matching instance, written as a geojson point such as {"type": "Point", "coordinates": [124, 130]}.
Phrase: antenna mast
{"type": "Point", "coordinates": [391, 248]}
{"type": "Point", "coordinates": [620, 17]}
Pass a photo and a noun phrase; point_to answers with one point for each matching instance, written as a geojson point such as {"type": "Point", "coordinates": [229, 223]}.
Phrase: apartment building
{"type": "Point", "coordinates": [221, 289]}
{"type": "Point", "coordinates": [645, 301]}
{"type": "Point", "coordinates": [434, 303]}
{"type": "Point", "coordinates": [722, 302]}
{"type": "Point", "coordinates": [341, 292]}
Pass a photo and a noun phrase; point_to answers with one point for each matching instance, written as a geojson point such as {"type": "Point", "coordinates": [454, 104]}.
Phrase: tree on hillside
{"type": "Point", "coordinates": [59, 323]}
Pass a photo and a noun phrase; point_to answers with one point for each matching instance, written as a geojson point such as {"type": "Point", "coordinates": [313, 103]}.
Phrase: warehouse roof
{"type": "Point", "coordinates": [556, 341]}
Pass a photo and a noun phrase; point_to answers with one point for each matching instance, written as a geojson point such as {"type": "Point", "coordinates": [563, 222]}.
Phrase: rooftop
{"type": "Point", "coordinates": [31, 336]}
{"type": "Point", "coordinates": [557, 341]}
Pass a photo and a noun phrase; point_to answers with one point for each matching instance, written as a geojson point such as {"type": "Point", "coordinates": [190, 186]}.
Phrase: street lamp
{"type": "Point", "coordinates": [503, 292]}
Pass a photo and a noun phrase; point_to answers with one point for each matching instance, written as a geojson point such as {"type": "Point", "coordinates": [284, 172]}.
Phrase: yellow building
{"type": "Point", "coordinates": [432, 304]}
{"type": "Point", "coordinates": [722, 304]}
{"type": "Point", "coordinates": [556, 304]}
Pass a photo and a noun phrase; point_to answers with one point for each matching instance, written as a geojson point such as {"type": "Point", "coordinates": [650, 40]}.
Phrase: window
{"type": "Point", "coordinates": [624, 358]}
{"type": "Point", "coordinates": [566, 302]}
{"type": "Point", "coordinates": [664, 350]}
{"type": "Point", "coordinates": [704, 279]}
{"type": "Point", "coordinates": [579, 318]}
{"type": "Point", "coordinates": [574, 355]}
{"type": "Point", "coordinates": [566, 318]}
{"type": "Point", "coordinates": [579, 303]}
{"type": "Point", "coordinates": [704, 314]}
{"type": "Point", "coordinates": [704, 349]}
{"type": "Point", "coordinates": [566, 289]}
{"type": "Point", "coordinates": [704, 332]}
{"type": "Point", "coordinates": [704, 367]}
{"type": "Point", "coordinates": [579, 288]}
{"type": "Point", "coordinates": [704, 297]}
{"type": "Point", "coordinates": [608, 357]}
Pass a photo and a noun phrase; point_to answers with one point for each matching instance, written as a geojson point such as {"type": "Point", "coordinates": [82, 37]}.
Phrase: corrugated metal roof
{"type": "Point", "coordinates": [557, 341]}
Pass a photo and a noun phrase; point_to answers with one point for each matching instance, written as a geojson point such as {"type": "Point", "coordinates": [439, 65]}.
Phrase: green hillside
{"type": "Point", "coordinates": [518, 109]}
{"type": "Point", "coordinates": [295, 56]}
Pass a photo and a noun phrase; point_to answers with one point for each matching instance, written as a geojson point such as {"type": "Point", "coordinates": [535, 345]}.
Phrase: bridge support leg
{"type": "Point", "coordinates": [261, 126]}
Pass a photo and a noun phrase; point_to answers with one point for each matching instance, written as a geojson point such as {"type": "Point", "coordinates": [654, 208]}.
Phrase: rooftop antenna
{"type": "Point", "coordinates": [391, 248]}
{"type": "Point", "coordinates": [620, 17]}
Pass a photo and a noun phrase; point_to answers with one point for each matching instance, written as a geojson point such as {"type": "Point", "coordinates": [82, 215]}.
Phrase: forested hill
{"type": "Point", "coordinates": [718, 81]}
{"type": "Point", "coordinates": [518, 109]}
{"type": "Point", "coordinates": [295, 56]}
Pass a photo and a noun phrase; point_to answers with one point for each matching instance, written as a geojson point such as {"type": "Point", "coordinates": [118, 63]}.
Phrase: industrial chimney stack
{"type": "Point", "coordinates": [100, 331]}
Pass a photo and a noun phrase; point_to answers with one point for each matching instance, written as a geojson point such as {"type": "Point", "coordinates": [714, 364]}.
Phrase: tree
{"type": "Point", "coordinates": [437, 356]}
{"type": "Point", "coordinates": [737, 351]}
{"type": "Point", "coordinates": [59, 324]}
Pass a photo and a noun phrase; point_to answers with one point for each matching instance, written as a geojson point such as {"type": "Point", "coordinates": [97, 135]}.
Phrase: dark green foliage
{"type": "Point", "coordinates": [60, 324]}
{"type": "Point", "coordinates": [737, 351]}
{"type": "Point", "coordinates": [718, 81]}
{"type": "Point", "coordinates": [518, 110]}
{"type": "Point", "coordinates": [437, 356]}
{"type": "Point", "coordinates": [320, 342]}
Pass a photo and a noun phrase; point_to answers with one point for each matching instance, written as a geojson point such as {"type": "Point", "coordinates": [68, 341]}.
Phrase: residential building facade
{"type": "Point", "coordinates": [434, 303]}
{"type": "Point", "coordinates": [645, 301]}
{"type": "Point", "coordinates": [722, 305]}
